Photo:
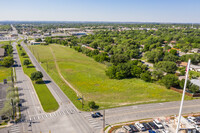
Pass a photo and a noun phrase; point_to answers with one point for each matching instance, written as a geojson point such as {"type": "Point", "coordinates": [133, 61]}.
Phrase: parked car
{"type": "Point", "coordinates": [165, 131]}
{"type": "Point", "coordinates": [151, 131]}
{"type": "Point", "coordinates": [153, 125]}
{"type": "Point", "coordinates": [134, 129]}
{"type": "Point", "coordinates": [146, 126]}
{"type": "Point", "coordinates": [191, 119]}
{"type": "Point", "coordinates": [127, 128]}
{"type": "Point", "coordinates": [140, 126]}
{"type": "Point", "coordinates": [99, 114]}
{"type": "Point", "coordinates": [158, 124]}
{"type": "Point", "coordinates": [197, 128]}
{"type": "Point", "coordinates": [94, 116]}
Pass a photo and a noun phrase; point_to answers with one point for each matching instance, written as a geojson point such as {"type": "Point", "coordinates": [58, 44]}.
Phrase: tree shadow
{"type": "Point", "coordinates": [22, 101]}
{"type": "Point", "coordinates": [23, 108]}
{"type": "Point", "coordinates": [96, 107]}
{"type": "Point", "coordinates": [43, 82]}
{"type": "Point", "coordinates": [30, 66]}
{"type": "Point", "coordinates": [21, 94]}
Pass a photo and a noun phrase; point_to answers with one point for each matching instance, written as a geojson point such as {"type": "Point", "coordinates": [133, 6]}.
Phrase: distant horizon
{"type": "Point", "coordinates": [127, 22]}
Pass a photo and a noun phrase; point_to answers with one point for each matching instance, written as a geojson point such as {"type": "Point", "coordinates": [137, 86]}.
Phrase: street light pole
{"type": "Point", "coordinates": [82, 102]}
{"type": "Point", "coordinates": [104, 117]}
{"type": "Point", "coordinates": [181, 106]}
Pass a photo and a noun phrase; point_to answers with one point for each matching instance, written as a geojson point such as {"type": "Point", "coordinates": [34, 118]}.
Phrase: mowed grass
{"type": "Point", "coordinates": [5, 42]}
{"type": "Point", "coordinates": [47, 100]}
{"type": "Point", "coordinates": [5, 73]}
{"type": "Point", "coordinates": [88, 77]}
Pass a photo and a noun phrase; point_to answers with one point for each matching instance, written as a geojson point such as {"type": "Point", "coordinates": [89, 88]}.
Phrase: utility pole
{"type": "Point", "coordinates": [82, 102]}
{"type": "Point", "coordinates": [104, 118]}
{"type": "Point", "coordinates": [181, 106]}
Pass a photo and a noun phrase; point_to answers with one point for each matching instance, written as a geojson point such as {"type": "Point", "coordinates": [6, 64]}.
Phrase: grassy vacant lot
{"type": "Point", "coordinates": [47, 100]}
{"type": "Point", "coordinates": [88, 77]}
{"type": "Point", "coordinates": [5, 42]}
{"type": "Point", "coordinates": [5, 73]}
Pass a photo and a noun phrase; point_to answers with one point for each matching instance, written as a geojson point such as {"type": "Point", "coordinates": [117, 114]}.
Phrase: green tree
{"type": "Point", "coordinates": [36, 76]}
{"type": "Point", "coordinates": [170, 80]}
{"type": "Point", "coordinates": [26, 62]}
{"type": "Point", "coordinates": [136, 71]}
{"type": "Point", "coordinates": [173, 52]}
{"type": "Point", "coordinates": [154, 56]}
{"type": "Point", "coordinates": [92, 104]}
{"type": "Point", "coordinates": [157, 74]}
{"type": "Point", "coordinates": [194, 88]}
{"type": "Point", "coordinates": [166, 66]}
{"type": "Point", "coordinates": [146, 76]}
{"type": "Point", "coordinates": [7, 61]}
{"type": "Point", "coordinates": [182, 82]}
{"type": "Point", "coordinates": [111, 72]}
{"type": "Point", "coordinates": [38, 40]}
{"type": "Point", "coordinates": [23, 54]}
{"type": "Point", "coordinates": [170, 57]}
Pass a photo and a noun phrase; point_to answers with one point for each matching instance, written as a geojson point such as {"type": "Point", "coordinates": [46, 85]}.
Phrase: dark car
{"type": "Point", "coordinates": [134, 129]}
{"type": "Point", "coordinates": [153, 125]}
{"type": "Point", "coordinates": [94, 116]}
{"type": "Point", "coordinates": [146, 126]}
{"type": "Point", "coordinates": [151, 131]}
{"type": "Point", "coordinates": [98, 114]}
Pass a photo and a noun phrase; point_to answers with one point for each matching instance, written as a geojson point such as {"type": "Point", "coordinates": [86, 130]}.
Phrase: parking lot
{"type": "Point", "coordinates": [188, 124]}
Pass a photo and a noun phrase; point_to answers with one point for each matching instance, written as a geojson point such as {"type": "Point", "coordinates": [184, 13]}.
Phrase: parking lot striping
{"type": "Point", "coordinates": [162, 109]}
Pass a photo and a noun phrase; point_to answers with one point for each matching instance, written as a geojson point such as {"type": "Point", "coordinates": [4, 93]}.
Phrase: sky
{"type": "Point", "coordinates": [180, 11]}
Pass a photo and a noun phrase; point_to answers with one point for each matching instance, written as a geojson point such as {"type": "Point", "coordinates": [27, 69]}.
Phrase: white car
{"type": "Point", "coordinates": [197, 128]}
{"type": "Point", "coordinates": [192, 119]}
{"type": "Point", "coordinates": [165, 131]}
{"type": "Point", "coordinates": [140, 126]}
{"type": "Point", "coordinates": [158, 124]}
{"type": "Point", "coordinates": [127, 128]}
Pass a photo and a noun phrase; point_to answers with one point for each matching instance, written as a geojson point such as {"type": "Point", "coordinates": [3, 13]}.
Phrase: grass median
{"type": "Point", "coordinates": [47, 100]}
{"type": "Point", "coordinates": [88, 77]}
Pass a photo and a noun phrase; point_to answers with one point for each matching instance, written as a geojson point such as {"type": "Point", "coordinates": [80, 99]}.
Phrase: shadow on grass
{"type": "Point", "coordinates": [96, 107]}
{"type": "Point", "coordinates": [30, 66]}
{"type": "Point", "coordinates": [43, 82]}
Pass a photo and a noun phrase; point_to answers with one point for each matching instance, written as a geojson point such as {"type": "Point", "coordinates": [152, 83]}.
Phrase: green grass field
{"type": "Point", "coordinates": [47, 100]}
{"type": "Point", "coordinates": [88, 77]}
{"type": "Point", "coordinates": [5, 73]}
{"type": "Point", "coordinates": [5, 42]}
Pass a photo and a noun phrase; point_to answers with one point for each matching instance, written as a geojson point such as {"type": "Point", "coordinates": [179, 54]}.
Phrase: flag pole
{"type": "Point", "coordinates": [181, 106]}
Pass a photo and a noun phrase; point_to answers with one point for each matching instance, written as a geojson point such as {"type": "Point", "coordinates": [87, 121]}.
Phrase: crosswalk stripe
{"type": "Point", "coordinates": [66, 112]}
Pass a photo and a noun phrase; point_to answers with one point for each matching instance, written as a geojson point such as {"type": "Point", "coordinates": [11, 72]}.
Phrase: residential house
{"type": "Point", "coordinates": [195, 68]}
{"type": "Point", "coordinates": [182, 64]}
{"type": "Point", "coordinates": [196, 50]}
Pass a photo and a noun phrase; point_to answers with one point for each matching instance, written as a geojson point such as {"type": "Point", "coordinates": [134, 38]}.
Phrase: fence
{"type": "Point", "coordinates": [186, 93]}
